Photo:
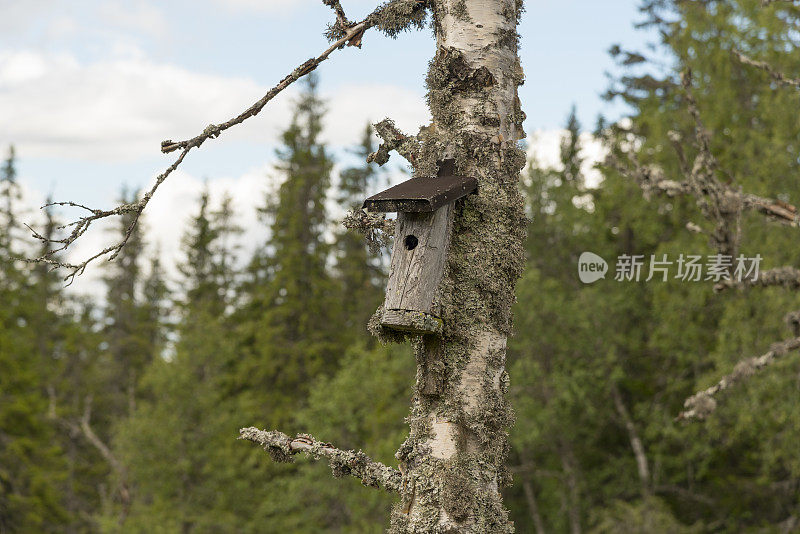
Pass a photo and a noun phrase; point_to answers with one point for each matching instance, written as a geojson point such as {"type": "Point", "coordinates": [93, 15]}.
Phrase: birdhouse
{"type": "Point", "coordinates": [424, 207]}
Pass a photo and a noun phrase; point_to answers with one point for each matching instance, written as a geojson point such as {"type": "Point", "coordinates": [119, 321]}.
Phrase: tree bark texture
{"type": "Point", "coordinates": [453, 462]}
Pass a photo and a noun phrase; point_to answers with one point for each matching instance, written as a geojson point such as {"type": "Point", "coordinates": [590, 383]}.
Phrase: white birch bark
{"type": "Point", "coordinates": [454, 459]}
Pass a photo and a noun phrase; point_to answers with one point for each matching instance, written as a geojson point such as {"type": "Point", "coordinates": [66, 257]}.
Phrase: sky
{"type": "Point", "coordinates": [90, 88]}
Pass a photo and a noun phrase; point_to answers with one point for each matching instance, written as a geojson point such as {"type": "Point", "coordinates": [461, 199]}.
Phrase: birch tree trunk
{"type": "Point", "coordinates": [453, 462]}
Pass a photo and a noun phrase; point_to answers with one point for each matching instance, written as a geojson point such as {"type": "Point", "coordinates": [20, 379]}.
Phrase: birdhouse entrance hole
{"type": "Point", "coordinates": [425, 209]}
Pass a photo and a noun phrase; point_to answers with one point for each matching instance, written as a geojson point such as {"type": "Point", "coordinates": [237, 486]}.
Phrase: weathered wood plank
{"type": "Point", "coordinates": [419, 195]}
{"type": "Point", "coordinates": [418, 260]}
{"type": "Point", "coordinates": [412, 321]}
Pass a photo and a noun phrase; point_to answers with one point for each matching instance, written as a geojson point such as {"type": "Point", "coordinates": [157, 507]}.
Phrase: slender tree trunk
{"type": "Point", "coordinates": [636, 443]}
{"type": "Point", "coordinates": [453, 462]}
{"type": "Point", "coordinates": [568, 464]}
{"type": "Point", "coordinates": [533, 506]}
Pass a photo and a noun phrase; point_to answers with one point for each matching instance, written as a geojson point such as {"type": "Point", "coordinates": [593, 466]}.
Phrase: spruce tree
{"type": "Point", "coordinates": [9, 195]}
{"type": "Point", "coordinates": [291, 322]}
{"type": "Point", "coordinates": [31, 463]}
{"type": "Point", "coordinates": [577, 358]}
{"type": "Point", "coordinates": [722, 472]}
{"type": "Point", "coordinates": [359, 269]}
{"type": "Point", "coordinates": [196, 482]}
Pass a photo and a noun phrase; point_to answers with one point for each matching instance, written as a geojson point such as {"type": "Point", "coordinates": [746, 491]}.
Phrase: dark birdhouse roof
{"type": "Point", "coordinates": [422, 194]}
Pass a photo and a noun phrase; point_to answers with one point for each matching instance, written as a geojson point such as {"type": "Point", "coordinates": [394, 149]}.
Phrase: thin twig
{"type": "Point", "coordinates": [703, 403]}
{"type": "Point", "coordinates": [775, 74]}
{"type": "Point", "coordinates": [786, 277]}
{"type": "Point", "coordinates": [765, 3]}
{"type": "Point", "coordinates": [282, 448]}
{"type": "Point", "coordinates": [351, 36]}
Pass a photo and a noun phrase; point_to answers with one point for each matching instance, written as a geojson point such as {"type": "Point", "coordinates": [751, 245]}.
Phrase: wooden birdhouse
{"type": "Point", "coordinates": [424, 207]}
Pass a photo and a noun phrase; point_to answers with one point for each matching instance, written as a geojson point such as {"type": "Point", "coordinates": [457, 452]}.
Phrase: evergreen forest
{"type": "Point", "coordinates": [121, 414]}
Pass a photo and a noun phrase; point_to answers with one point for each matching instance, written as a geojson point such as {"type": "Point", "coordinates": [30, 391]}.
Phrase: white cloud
{"type": "Point", "coordinates": [17, 16]}
{"type": "Point", "coordinates": [545, 147]}
{"type": "Point", "coordinates": [54, 106]}
{"type": "Point", "coordinates": [282, 6]}
{"type": "Point", "coordinates": [119, 110]}
{"type": "Point", "coordinates": [138, 16]}
{"type": "Point", "coordinates": [164, 222]}
{"type": "Point", "coordinates": [275, 6]}
{"type": "Point", "coordinates": [352, 106]}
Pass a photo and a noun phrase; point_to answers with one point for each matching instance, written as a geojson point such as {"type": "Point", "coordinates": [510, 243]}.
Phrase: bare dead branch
{"type": "Point", "coordinates": [84, 427]}
{"type": "Point", "coordinates": [213, 131]}
{"type": "Point", "coordinates": [282, 448]}
{"type": "Point", "coordinates": [703, 403]}
{"type": "Point", "coordinates": [393, 139]}
{"type": "Point", "coordinates": [787, 277]}
{"type": "Point", "coordinates": [81, 225]}
{"type": "Point", "coordinates": [376, 228]}
{"type": "Point", "coordinates": [719, 202]}
{"type": "Point", "coordinates": [774, 73]}
{"type": "Point", "coordinates": [351, 35]}
{"type": "Point", "coordinates": [104, 450]}
{"type": "Point", "coordinates": [652, 180]}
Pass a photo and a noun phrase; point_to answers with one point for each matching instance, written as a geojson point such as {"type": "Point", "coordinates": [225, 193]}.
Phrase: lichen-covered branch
{"type": "Point", "coordinates": [774, 73]}
{"type": "Point", "coordinates": [341, 24]}
{"type": "Point", "coordinates": [787, 277]}
{"type": "Point", "coordinates": [703, 403]}
{"type": "Point", "coordinates": [719, 202]}
{"type": "Point", "coordinates": [376, 228]}
{"type": "Point", "coordinates": [391, 18]}
{"type": "Point", "coordinates": [393, 139]}
{"type": "Point", "coordinates": [343, 463]}
{"type": "Point", "coordinates": [651, 180]}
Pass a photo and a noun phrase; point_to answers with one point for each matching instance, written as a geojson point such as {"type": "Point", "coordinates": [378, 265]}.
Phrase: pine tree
{"type": "Point", "coordinates": [360, 271]}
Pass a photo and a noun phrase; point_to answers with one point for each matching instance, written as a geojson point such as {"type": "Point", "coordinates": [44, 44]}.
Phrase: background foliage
{"type": "Point", "coordinates": [165, 379]}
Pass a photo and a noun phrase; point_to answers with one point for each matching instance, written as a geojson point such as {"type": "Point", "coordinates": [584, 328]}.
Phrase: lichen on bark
{"type": "Point", "coordinates": [396, 17]}
{"type": "Point", "coordinates": [454, 458]}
